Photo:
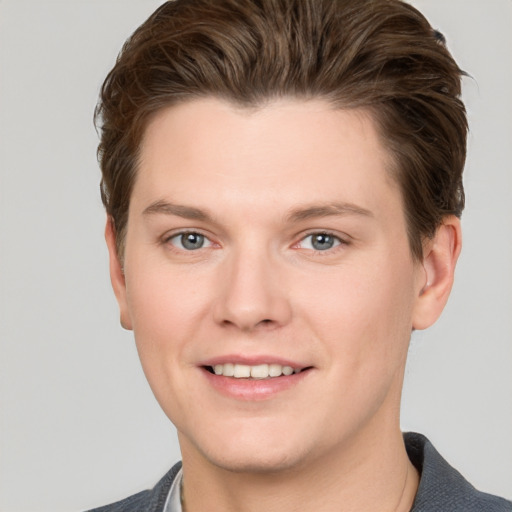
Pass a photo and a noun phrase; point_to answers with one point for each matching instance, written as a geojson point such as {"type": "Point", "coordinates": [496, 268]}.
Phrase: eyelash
{"type": "Point", "coordinates": [338, 241]}
{"type": "Point", "coordinates": [181, 234]}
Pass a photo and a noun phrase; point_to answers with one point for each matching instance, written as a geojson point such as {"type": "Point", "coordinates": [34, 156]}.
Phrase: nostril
{"type": "Point", "coordinates": [266, 322]}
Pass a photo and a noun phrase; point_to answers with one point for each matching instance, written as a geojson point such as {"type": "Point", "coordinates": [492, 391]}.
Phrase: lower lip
{"type": "Point", "coordinates": [253, 389]}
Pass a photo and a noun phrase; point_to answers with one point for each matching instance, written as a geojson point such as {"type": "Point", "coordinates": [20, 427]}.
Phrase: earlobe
{"type": "Point", "coordinates": [439, 261]}
{"type": "Point", "coordinates": [117, 277]}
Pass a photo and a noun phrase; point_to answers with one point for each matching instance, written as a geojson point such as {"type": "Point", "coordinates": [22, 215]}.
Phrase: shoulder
{"type": "Point", "coordinates": [152, 500]}
{"type": "Point", "coordinates": [442, 487]}
{"type": "Point", "coordinates": [133, 503]}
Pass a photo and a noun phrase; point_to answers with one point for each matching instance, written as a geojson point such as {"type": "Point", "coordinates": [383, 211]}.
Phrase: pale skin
{"type": "Point", "coordinates": [299, 255]}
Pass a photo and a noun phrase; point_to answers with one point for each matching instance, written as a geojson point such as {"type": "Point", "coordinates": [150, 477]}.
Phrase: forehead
{"type": "Point", "coordinates": [210, 152]}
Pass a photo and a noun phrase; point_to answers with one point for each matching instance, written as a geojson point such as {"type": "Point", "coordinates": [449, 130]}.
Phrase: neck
{"type": "Point", "coordinates": [367, 474]}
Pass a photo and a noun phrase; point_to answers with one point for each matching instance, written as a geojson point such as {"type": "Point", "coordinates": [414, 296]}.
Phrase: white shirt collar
{"type": "Point", "coordinates": [173, 501]}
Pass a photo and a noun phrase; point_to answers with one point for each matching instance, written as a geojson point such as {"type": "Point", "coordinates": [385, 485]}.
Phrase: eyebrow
{"type": "Point", "coordinates": [296, 215]}
{"type": "Point", "coordinates": [327, 210]}
{"type": "Point", "coordinates": [187, 212]}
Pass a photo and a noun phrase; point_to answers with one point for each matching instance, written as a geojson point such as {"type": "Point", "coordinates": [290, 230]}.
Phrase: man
{"type": "Point", "coordinates": [283, 184]}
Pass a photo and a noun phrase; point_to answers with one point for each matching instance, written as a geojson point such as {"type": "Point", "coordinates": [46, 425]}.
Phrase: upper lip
{"type": "Point", "coordinates": [253, 361]}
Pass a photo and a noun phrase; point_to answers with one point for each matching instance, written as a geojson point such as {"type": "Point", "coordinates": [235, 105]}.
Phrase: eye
{"type": "Point", "coordinates": [190, 241]}
{"type": "Point", "coordinates": [320, 241]}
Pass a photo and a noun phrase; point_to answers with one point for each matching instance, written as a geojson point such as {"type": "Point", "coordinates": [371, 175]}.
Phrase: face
{"type": "Point", "coordinates": [269, 281]}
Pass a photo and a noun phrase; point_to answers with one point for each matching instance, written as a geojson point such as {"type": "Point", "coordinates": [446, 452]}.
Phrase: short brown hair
{"type": "Point", "coordinates": [381, 55]}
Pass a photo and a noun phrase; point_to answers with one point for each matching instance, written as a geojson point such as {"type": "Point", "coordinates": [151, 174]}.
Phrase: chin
{"type": "Point", "coordinates": [257, 462]}
{"type": "Point", "coordinates": [248, 452]}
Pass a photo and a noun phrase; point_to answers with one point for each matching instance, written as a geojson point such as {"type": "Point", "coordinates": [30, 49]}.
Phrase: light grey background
{"type": "Point", "coordinates": [78, 424]}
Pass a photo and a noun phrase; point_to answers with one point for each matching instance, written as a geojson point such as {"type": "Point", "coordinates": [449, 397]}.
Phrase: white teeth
{"type": "Point", "coordinates": [275, 370]}
{"type": "Point", "coordinates": [260, 371]}
{"type": "Point", "coordinates": [228, 370]}
{"type": "Point", "coordinates": [241, 371]}
{"type": "Point", "coordinates": [287, 370]}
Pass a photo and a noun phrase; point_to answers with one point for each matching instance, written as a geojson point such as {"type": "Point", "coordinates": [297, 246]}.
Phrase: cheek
{"type": "Point", "coordinates": [167, 311]}
{"type": "Point", "coordinates": [163, 300]}
{"type": "Point", "coordinates": [363, 313]}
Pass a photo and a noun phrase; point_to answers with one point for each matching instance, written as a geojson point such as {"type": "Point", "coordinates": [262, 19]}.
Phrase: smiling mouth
{"type": "Point", "coordinates": [260, 371]}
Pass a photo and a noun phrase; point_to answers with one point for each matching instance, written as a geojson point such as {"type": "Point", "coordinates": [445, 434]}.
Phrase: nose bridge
{"type": "Point", "coordinates": [250, 292]}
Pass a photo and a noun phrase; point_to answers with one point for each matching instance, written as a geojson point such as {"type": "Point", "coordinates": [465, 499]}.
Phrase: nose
{"type": "Point", "coordinates": [252, 293]}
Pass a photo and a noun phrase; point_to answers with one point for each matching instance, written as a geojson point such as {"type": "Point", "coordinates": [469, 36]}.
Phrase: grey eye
{"type": "Point", "coordinates": [190, 241]}
{"type": "Point", "coordinates": [320, 241]}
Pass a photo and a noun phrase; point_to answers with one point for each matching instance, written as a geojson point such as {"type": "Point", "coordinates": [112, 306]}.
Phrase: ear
{"type": "Point", "coordinates": [116, 274]}
{"type": "Point", "coordinates": [439, 259]}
